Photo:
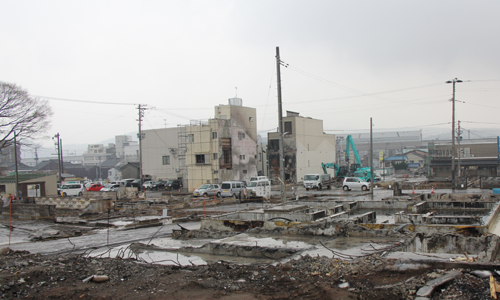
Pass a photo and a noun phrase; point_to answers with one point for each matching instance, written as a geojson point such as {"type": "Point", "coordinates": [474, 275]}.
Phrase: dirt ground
{"type": "Point", "coordinates": [29, 276]}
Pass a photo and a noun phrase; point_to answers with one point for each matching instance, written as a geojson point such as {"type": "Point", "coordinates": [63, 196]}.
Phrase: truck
{"type": "Point", "coordinates": [317, 181]}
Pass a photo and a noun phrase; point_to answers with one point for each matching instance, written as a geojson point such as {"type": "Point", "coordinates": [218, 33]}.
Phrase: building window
{"type": "Point", "coordinates": [166, 159]}
{"type": "Point", "coordinates": [215, 156]}
{"type": "Point", "coordinates": [202, 159]}
{"type": "Point", "coordinates": [190, 138]}
{"type": "Point", "coordinates": [216, 172]}
{"type": "Point", "coordinates": [244, 171]}
{"type": "Point", "coordinates": [216, 180]}
{"type": "Point", "coordinates": [225, 162]}
{"type": "Point", "coordinates": [242, 157]}
{"type": "Point", "coordinates": [274, 145]}
{"type": "Point", "coordinates": [241, 135]}
{"type": "Point", "coordinates": [260, 156]}
{"type": "Point", "coordinates": [288, 127]}
{"type": "Point", "coordinates": [214, 135]}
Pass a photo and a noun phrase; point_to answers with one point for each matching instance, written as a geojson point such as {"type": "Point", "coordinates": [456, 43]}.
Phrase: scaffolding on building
{"type": "Point", "coordinates": [182, 140]}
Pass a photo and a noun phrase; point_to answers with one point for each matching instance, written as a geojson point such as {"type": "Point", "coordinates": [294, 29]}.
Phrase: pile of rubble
{"type": "Point", "coordinates": [24, 275]}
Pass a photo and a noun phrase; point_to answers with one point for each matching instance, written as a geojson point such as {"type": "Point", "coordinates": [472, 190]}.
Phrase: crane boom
{"type": "Point", "coordinates": [349, 141]}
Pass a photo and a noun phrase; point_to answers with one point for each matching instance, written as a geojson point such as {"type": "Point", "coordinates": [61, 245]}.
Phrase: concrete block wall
{"type": "Point", "coordinates": [64, 202]}
{"type": "Point", "coordinates": [28, 211]}
{"type": "Point", "coordinates": [369, 217]}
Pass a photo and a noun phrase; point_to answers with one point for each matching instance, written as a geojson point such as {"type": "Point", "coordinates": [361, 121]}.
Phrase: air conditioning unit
{"type": "Point", "coordinates": [177, 170]}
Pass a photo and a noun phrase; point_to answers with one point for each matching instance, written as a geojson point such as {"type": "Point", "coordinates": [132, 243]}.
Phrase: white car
{"type": "Point", "coordinates": [148, 185]}
{"type": "Point", "coordinates": [110, 187]}
{"type": "Point", "coordinates": [208, 190]}
{"type": "Point", "coordinates": [355, 183]}
{"type": "Point", "coordinates": [75, 189]}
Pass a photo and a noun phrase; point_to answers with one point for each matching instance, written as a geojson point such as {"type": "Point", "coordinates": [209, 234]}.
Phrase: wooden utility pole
{"type": "Point", "coordinates": [280, 128]}
{"type": "Point", "coordinates": [141, 110]}
{"type": "Point", "coordinates": [56, 142]}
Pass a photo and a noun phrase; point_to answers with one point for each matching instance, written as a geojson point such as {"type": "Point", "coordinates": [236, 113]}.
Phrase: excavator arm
{"type": "Point", "coordinates": [350, 142]}
{"type": "Point", "coordinates": [331, 166]}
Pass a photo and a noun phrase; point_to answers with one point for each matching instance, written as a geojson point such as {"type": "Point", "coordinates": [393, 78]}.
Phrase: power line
{"type": "Point", "coordinates": [82, 101]}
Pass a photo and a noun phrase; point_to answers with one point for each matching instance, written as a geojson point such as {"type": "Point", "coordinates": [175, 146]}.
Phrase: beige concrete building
{"type": "Point", "coordinates": [305, 147]}
{"type": "Point", "coordinates": [473, 158]}
{"type": "Point", "coordinates": [223, 148]}
{"type": "Point", "coordinates": [160, 153]}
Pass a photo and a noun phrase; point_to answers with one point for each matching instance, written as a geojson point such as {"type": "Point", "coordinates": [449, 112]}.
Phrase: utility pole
{"type": "Point", "coordinates": [459, 137]}
{"type": "Point", "coordinates": [61, 153]}
{"type": "Point", "coordinates": [141, 109]}
{"type": "Point", "coordinates": [15, 162]}
{"type": "Point", "coordinates": [371, 158]}
{"type": "Point", "coordinates": [36, 157]}
{"type": "Point", "coordinates": [56, 142]}
{"type": "Point", "coordinates": [453, 180]}
{"type": "Point", "coordinates": [280, 128]}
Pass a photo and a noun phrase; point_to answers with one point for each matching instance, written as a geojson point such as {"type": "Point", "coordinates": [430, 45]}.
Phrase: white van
{"type": "Point", "coordinates": [253, 184]}
{"type": "Point", "coordinates": [74, 189]}
{"type": "Point", "coordinates": [317, 181]}
{"type": "Point", "coordinates": [257, 178]}
{"type": "Point", "coordinates": [232, 189]}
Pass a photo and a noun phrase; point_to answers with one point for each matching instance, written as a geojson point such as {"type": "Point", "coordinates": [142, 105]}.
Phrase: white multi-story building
{"type": "Point", "coordinates": [160, 153]}
{"type": "Point", "coordinates": [223, 148]}
{"type": "Point", "coordinates": [305, 147]}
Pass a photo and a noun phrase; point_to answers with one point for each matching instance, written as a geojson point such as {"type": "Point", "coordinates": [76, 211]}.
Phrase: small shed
{"type": "Point", "coordinates": [130, 170]}
{"type": "Point", "coordinates": [30, 185]}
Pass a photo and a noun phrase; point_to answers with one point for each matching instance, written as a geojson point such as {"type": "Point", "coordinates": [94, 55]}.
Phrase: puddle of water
{"type": "Point", "coordinates": [272, 242]}
{"type": "Point", "coordinates": [354, 246]}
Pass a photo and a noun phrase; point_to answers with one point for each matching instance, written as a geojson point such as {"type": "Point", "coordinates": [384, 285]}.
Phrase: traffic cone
{"type": "Point", "coordinates": [413, 190]}
{"type": "Point", "coordinates": [432, 192]}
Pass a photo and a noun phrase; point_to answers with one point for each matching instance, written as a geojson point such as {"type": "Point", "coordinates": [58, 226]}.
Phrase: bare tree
{"type": "Point", "coordinates": [21, 115]}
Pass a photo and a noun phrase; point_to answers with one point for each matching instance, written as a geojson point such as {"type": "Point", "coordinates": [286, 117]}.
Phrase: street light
{"type": "Point", "coordinates": [453, 183]}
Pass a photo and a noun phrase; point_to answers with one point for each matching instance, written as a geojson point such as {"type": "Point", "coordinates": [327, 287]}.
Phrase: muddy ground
{"type": "Point", "coordinates": [29, 276]}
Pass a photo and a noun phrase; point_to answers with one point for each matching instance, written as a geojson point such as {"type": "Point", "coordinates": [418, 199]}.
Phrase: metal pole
{"type": "Point", "coordinates": [371, 158]}
{"type": "Point", "coordinates": [58, 157]}
{"type": "Point", "coordinates": [140, 147]}
{"type": "Point", "coordinates": [280, 120]}
{"type": "Point", "coordinates": [15, 162]}
{"type": "Point", "coordinates": [61, 151]}
{"type": "Point", "coordinates": [453, 183]}
{"type": "Point", "coordinates": [459, 154]}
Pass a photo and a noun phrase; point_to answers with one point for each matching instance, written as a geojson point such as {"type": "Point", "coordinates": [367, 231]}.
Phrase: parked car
{"type": "Point", "coordinates": [95, 187]}
{"type": "Point", "coordinates": [75, 189]}
{"type": "Point", "coordinates": [207, 190]}
{"type": "Point", "coordinates": [253, 184]}
{"type": "Point", "coordinates": [173, 184]}
{"type": "Point", "coordinates": [148, 185]}
{"type": "Point", "coordinates": [136, 183]}
{"type": "Point", "coordinates": [257, 178]}
{"type": "Point", "coordinates": [355, 183]}
{"type": "Point", "coordinates": [111, 187]}
{"type": "Point", "coordinates": [232, 189]}
{"type": "Point", "coordinates": [159, 185]}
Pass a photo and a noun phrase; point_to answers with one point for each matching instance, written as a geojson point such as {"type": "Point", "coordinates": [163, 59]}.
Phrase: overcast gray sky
{"type": "Point", "coordinates": [348, 61]}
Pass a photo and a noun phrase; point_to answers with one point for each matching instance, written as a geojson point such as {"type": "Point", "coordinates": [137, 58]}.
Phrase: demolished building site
{"type": "Point", "coordinates": [401, 244]}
